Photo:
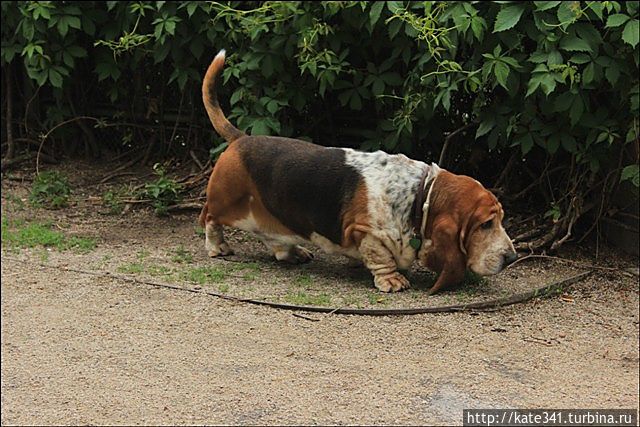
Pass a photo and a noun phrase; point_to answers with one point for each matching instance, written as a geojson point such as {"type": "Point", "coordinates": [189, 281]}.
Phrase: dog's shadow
{"type": "Point", "coordinates": [332, 269]}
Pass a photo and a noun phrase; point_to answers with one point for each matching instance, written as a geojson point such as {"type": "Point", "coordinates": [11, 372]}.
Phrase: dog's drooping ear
{"type": "Point", "coordinates": [447, 257]}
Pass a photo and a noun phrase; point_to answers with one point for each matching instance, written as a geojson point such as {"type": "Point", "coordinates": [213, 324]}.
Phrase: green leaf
{"type": "Point", "coordinates": [567, 12]}
{"type": "Point", "coordinates": [260, 127]}
{"type": "Point", "coordinates": [378, 87]}
{"type": "Point", "coordinates": [545, 5]}
{"type": "Point", "coordinates": [547, 83]}
{"type": "Point", "coordinates": [63, 26]}
{"type": "Point", "coordinates": [191, 7]}
{"type": "Point", "coordinates": [485, 126]}
{"type": "Point", "coordinates": [577, 108]}
{"type": "Point", "coordinates": [616, 20]}
{"type": "Point", "coordinates": [55, 78]}
{"type": "Point", "coordinates": [596, 7]}
{"type": "Point", "coordinates": [501, 72]}
{"type": "Point", "coordinates": [574, 43]}
{"type": "Point", "coordinates": [508, 17]}
{"type": "Point", "coordinates": [631, 173]}
{"type": "Point", "coordinates": [553, 143]}
{"type": "Point", "coordinates": [67, 59]}
{"type": "Point", "coordinates": [526, 143]}
{"type": "Point", "coordinates": [392, 78]}
{"type": "Point", "coordinates": [568, 142]}
{"type": "Point", "coordinates": [77, 51]}
{"type": "Point", "coordinates": [588, 73]}
{"type": "Point", "coordinates": [215, 152]}
{"type": "Point", "coordinates": [555, 57]}
{"type": "Point", "coordinates": [394, 6]}
{"type": "Point", "coordinates": [612, 73]}
{"type": "Point", "coordinates": [580, 58]}
{"type": "Point", "coordinates": [589, 34]}
{"type": "Point", "coordinates": [538, 57]}
{"type": "Point", "coordinates": [630, 34]}
{"type": "Point", "coordinates": [563, 102]}
{"type": "Point", "coordinates": [74, 22]}
{"type": "Point", "coordinates": [170, 26]}
{"type": "Point", "coordinates": [374, 13]}
{"type": "Point", "coordinates": [410, 31]}
{"type": "Point", "coordinates": [533, 85]}
{"type": "Point", "coordinates": [394, 28]}
{"type": "Point", "coordinates": [272, 106]}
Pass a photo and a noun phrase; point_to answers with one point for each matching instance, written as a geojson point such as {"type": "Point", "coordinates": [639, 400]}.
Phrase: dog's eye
{"type": "Point", "coordinates": [487, 225]}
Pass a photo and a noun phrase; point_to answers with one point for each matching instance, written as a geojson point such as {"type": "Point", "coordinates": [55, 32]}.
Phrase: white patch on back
{"type": "Point", "coordinates": [392, 183]}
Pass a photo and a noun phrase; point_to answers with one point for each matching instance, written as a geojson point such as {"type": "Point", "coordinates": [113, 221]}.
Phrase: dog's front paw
{"type": "Point", "coordinates": [222, 250]}
{"type": "Point", "coordinates": [393, 282]}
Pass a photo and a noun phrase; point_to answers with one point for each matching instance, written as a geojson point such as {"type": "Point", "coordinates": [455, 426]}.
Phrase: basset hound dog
{"type": "Point", "coordinates": [385, 210]}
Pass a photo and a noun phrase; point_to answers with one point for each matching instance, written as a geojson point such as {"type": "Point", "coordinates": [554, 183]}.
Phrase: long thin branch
{"type": "Point", "coordinates": [448, 139]}
{"type": "Point", "coordinates": [46, 135]}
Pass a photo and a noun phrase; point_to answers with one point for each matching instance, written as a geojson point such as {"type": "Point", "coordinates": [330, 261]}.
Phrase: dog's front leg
{"type": "Point", "coordinates": [380, 261]}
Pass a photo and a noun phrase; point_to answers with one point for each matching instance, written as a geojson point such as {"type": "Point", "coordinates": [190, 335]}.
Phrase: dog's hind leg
{"type": "Point", "coordinates": [215, 243]}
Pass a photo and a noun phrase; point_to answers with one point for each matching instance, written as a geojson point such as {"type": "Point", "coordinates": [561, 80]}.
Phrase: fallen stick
{"type": "Point", "coordinates": [547, 290]}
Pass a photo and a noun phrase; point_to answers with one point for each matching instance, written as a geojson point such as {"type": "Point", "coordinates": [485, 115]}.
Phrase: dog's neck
{"type": "Point", "coordinates": [421, 203]}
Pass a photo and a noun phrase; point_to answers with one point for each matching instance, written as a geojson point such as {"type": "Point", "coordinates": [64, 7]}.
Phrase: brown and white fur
{"type": "Point", "coordinates": [358, 204]}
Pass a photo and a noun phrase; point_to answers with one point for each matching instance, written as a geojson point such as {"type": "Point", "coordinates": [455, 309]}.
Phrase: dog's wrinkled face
{"type": "Point", "coordinates": [489, 249]}
{"type": "Point", "coordinates": [467, 230]}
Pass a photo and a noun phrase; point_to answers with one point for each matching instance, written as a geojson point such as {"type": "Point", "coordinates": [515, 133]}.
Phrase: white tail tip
{"type": "Point", "coordinates": [221, 54]}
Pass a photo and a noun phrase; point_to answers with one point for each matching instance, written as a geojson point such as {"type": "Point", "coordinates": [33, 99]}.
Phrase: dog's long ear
{"type": "Point", "coordinates": [451, 260]}
{"type": "Point", "coordinates": [468, 222]}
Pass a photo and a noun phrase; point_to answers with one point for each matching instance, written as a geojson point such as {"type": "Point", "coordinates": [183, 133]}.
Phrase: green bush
{"type": "Point", "coordinates": [163, 192]}
{"type": "Point", "coordinates": [548, 88]}
{"type": "Point", "coordinates": [51, 190]}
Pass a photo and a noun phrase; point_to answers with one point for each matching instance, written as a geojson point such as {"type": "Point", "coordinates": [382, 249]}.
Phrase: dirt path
{"type": "Point", "coordinates": [79, 349]}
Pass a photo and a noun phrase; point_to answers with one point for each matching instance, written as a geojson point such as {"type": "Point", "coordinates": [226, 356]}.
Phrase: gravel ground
{"type": "Point", "coordinates": [81, 349]}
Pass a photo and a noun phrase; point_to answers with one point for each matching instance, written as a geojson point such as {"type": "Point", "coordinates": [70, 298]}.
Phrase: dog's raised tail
{"type": "Point", "coordinates": [210, 99]}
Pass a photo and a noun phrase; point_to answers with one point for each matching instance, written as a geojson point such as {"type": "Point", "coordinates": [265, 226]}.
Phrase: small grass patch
{"type": "Point", "coordinates": [304, 280]}
{"type": "Point", "coordinates": [250, 270]}
{"type": "Point", "coordinates": [158, 270]}
{"type": "Point", "coordinates": [202, 275]}
{"type": "Point", "coordinates": [199, 231]}
{"type": "Point", "coordinates": [224, 288]}
{"type": "Point", "coordinates": [182, 256]}
{"type": "Point", "coordinates": [302, 298]}
{"type": "Point", "coordinates": [131, 268]}
{"type": "Point", "coordinates": [16, 202]}
{"type": "Point", "coordinates": [375, 298]}
{"type": "Point", "coordinates": [28, 235]}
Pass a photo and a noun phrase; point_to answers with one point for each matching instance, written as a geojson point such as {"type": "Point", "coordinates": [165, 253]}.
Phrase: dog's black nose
{"type": "Point", "coordinates": [510, 257]}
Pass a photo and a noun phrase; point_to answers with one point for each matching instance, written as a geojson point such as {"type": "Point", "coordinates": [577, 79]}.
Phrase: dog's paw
{"type": "Point", "coordinates": [294, 255]}
{"type": "Point", "coordinates": [300, 255]}
{"type": "Point", "coordinates": [393, 282]}
{"type": "Point", "coordinates": [222, 250]}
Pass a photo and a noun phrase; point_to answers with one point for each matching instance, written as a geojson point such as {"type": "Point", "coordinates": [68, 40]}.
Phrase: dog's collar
{"type": "Point", "coordinates": [420, 206]}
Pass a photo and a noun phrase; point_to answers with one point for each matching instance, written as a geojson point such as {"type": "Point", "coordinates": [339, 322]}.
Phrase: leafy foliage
{"type": "Point", "coordinates": [553, 83]}
{"type": "Point", "coordinates": [163, 192]}
{"type": "Point", "coordinates": [51, 190]}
